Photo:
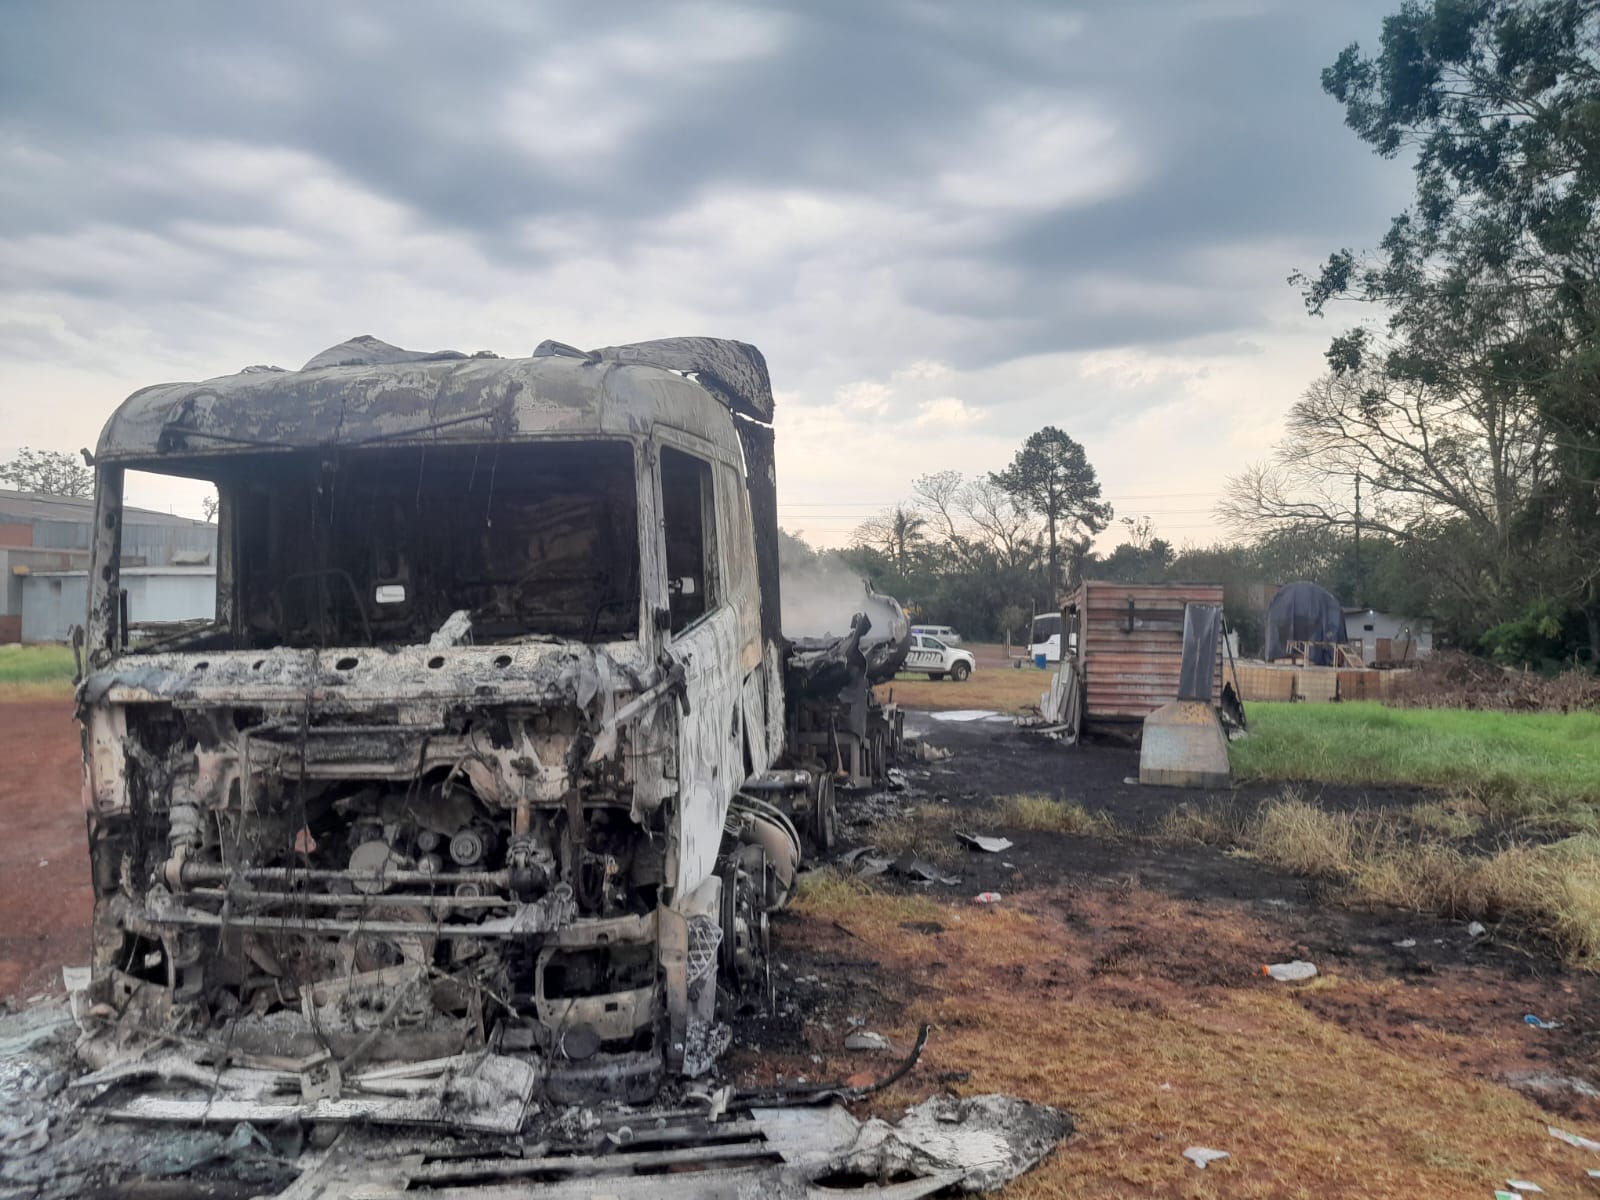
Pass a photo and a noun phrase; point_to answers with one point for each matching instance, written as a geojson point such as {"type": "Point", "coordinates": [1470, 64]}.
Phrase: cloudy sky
{"type": "Point", "coordinates": [946, 224]}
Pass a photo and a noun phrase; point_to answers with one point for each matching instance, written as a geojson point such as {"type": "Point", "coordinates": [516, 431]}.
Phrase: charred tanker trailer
{"type": "Point", "coordinates": [486, 744]}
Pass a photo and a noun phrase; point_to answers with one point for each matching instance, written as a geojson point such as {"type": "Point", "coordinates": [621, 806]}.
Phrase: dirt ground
{"type": "Point", "coordinates": [1120, 979]}
{"type": "Point", "coordinates": [45, 898]}
{"type": "Point", "coordinates": [1116, 977]}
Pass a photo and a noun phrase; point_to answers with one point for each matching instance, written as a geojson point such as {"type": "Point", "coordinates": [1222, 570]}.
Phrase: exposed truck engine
{"type": "Point", "coordinates": [487, 745]}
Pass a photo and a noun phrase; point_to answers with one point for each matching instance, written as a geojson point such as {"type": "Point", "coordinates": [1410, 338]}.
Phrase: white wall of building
{"type": "Point", "coordinates": [53, 602]}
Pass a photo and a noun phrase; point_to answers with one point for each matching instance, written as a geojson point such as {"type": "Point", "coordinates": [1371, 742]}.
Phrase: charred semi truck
{"type": "Point", "coordinates": [487, 743]}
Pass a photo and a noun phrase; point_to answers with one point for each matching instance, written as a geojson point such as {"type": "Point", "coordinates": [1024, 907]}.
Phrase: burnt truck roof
{"type": "Point", "coordinates": [364, 391]}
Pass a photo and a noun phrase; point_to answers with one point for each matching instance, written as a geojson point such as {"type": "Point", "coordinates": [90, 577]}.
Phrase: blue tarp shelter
{"type": "Point", "coordinates": [1304, 612]}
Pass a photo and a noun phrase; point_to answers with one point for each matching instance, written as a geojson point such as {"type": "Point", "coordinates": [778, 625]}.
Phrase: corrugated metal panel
{"type": "Point", "coordinates": [32, 507]}
{"type": "Point", "coordinates": [52, 603]}
{"type": "Point", "coordinates": [156, 544]}
{"type": "Point", "coordinates": [1132, 656]}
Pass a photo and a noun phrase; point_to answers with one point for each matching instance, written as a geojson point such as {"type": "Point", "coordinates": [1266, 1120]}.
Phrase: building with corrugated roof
{"type": "Point", "coordinates": [51, 535]}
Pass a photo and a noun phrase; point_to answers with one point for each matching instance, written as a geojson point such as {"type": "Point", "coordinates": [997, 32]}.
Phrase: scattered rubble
{"type": "Point", "coordinates": [989, 845]}
{"type": "Point", "coordinates": [239, 1129]}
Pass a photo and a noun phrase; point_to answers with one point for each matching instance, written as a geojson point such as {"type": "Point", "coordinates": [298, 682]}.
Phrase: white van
{"type": "Point", "coordinates": [943, 632]}
{"type": "Point", "coordinates": [1045, 638]}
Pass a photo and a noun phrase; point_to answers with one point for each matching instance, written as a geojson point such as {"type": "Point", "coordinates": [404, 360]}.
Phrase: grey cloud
{"type": "Point", "coordinates": [1220, 109]}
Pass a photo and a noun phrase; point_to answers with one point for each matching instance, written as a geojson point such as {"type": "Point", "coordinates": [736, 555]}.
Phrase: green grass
{"type": "Point", "coordinates": [34, 670]}
{"type": "Point", "coordinates": [1537, 760]}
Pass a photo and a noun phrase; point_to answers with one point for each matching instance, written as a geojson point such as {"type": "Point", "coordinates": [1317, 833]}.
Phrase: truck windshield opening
{"type": "Point", "coordinates": [382, 546]}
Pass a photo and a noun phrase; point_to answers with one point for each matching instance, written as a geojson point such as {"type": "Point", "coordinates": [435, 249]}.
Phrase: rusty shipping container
{"type": "Point", "coordinates": [1130, 645]}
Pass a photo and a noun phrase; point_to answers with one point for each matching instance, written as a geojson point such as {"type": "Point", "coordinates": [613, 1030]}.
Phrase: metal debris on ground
{"type": "Point", "coordinates": [1539, 1081]}
{"type": "Point", "coordinates": [982, 1141]}
{"type": "Point", "coordinates": [989, 845]}
{"type": "Point", "coordinates": [987, 898]}
{"type": "Point", "coordinates": [1202, 1157]}
{"type": "Point", "coordinates": [865, 1039]}
{"type": "Point", "coordinates": [694, 1141]}
{"type": "Point", "coordinates": [866, 862]}
{"type": "Point", "coordinates": [1573, 1139]}
{"type": "Point", "coordinates": [1523, 1185]}
{"type": "Point", "coordinates": [21, 1137]}
{"type": "Point", "coordinates": [925, 751]}
{"type": "Point", "coordinates": [924, 872]}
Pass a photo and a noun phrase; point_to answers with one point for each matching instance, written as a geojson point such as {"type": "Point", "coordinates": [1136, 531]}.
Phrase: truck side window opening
{"type": "Point", "coordinates": [688, 511]}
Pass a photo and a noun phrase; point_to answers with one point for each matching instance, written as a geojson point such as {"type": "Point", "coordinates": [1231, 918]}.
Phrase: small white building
{"type": "Point", "coordinates": [54, 601]}
{"type": "Point", "coordinates": [1388, 639]}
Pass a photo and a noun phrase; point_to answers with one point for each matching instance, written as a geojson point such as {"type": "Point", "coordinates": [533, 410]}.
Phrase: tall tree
{"type": "Point", "coordinates": [1490, 280]}
{"type": "Point", "coordinates": [1450, 468]}
{"type": "Point", "coordinates": [937, 497]}
{"type": "Point", "coordinates": [898, 533]}
{"type": "Point", "coordinates": [49, 473]}
{"type": "Point", "coordinates": [998, 524]}
{"type": "Point", "coordinates": [1052, 476]}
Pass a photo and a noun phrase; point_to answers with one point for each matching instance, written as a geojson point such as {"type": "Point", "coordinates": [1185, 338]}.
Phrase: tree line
{"type": "Point", "coordinates": [1447, 462]}
{"type": "Point", "coordinates": [973, 552]}
{"type": "Point", "coordinates": [1459, 416]}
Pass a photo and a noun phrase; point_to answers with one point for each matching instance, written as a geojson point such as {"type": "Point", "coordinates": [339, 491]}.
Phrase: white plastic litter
{"type": "Point", "coordinates": [1405, 944]}
{"type": "Point", "coordinates": [1573, 1139]}
{"type": "Point", "coordinates": [866, 1040]}
{"type": "Point", "coordinates": [1523, 1185]}
{"type": "Point", "coordinates": [1290, 972]}
{"type": "Point", "coordinates": [1200, 1156]}
{"type": "Point", "coordinates": [990, 845]}
{"type": "Point", "coordinates": [1477, 930]}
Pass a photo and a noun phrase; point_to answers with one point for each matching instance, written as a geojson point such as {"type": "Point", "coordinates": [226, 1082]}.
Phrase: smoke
{"type": "Point", "coordinates": [821, 594]}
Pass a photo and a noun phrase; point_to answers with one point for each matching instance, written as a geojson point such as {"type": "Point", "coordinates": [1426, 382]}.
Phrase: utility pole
{"type": "Point", "coordinates": [1359, 589]}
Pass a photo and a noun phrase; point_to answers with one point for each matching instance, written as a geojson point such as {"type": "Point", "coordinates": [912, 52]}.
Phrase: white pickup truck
{"type": "Point", "coordinates": [930, 655]}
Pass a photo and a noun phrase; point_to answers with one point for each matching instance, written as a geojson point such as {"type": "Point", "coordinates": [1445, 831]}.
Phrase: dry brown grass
{"type": "Point", "coordinates": [927, 831]}
{"type": "Point", "coordinates": [35, 693]}
{"type": "Point", "coordinates": [1148, 1065]}
{"type": "Point", "coordinates": [1399, 859]}
{"type": "Point", "coordinates": [999, 688]}
{"type": "Point", "coordinates": [828, 895]}
{"type": "Point", "coordinates": [1194, 823]}
{"type": "Point", "coordinates": [1042, 814]}
{"type": "Point", "coordinates": [1453, 817]}
{"type": "Point", "coordinates": [1403, 859]}
{"type": "Point", "coordinates": [1306, 839]}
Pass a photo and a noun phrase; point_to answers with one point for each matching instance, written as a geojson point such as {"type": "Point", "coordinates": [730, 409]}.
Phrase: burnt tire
{"type": "Point", "coordinates": [824, 814]}
{"type": "Point", "coordinates": [960, 672]}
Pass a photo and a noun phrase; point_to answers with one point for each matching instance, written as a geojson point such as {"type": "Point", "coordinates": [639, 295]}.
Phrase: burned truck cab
{"type": "Point", "coordinates": [460, 760]}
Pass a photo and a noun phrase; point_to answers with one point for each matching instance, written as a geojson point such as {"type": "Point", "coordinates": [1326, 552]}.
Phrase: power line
{"type": "Point", "coordinates": [876, 504]}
